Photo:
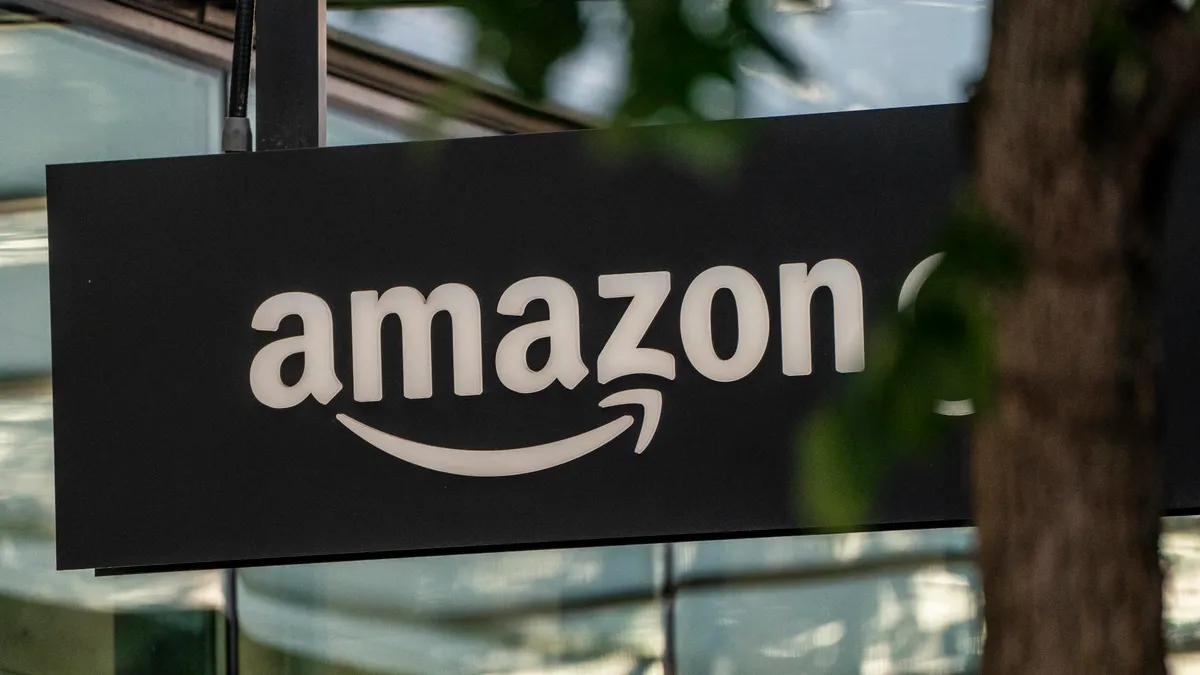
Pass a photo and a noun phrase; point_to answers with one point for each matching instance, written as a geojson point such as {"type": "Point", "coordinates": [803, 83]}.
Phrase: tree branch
{"type": "Point", "coordinates": [1172, 82]}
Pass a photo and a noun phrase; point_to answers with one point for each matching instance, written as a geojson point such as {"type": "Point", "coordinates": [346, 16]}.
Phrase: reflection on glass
{"type": "Point", "coordinates": [115, 624]}
{"type": "Point", "coordinates": [877, 603]}
{"type": "Point", "coordinates": [441, 34]}
{"type": "Point", "coordinates": [885, 602]}
{"type": "Point", "coordinates": [342, 128]}
{"type": "Point", "coordinates": [70, 96]}
{"type": "Point", "coordinates": [590, 79]}
{"type": "Point", "coordinates": [866, 54]}
{"type": "Point", "coordinates": [1181, 550]}
{"type": "Point", "coordinates": [24, 292]}
{"type": "Point", "coordinates": [578, 611]}
{"type": "Point", "coordinates": [23, 235]}
{"type": "Point", "coordinates": [67, 96]}
{"type": "Point", "coordinates": [860, 53]}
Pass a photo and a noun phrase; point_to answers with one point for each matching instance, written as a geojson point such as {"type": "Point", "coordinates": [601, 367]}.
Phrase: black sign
{"type": "Point", "coordinates": [509, 342]}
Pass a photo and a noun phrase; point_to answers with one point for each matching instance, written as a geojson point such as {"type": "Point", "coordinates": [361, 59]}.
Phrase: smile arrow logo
{"type": "Point", "coordinates": [516, 461]}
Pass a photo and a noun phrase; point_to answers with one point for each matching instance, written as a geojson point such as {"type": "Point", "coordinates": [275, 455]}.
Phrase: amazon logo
{"type": "Point", "coordinates": [623, 353]}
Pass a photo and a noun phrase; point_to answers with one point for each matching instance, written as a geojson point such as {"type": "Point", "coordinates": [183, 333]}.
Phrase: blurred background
{"type": "Point", "coordinates": [85, 80]}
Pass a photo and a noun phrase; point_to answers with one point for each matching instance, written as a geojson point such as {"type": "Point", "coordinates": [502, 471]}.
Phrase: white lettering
{"type": "Point", "coordinates": [316, 343]}
{"type": "Point", "coordinates": [621, 354]}
{"type": "Point", "coordinates": [796, 287]}
{"type": "Point", "coordinates": [753, 318]}
{"type": "Point", "coordinates": [562, 329]}
{"type": "Point", "coordinates": [368, 310]}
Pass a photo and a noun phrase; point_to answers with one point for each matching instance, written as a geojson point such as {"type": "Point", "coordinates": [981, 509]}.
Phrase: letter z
{"type": "Point", "coordinates": [621, 354]}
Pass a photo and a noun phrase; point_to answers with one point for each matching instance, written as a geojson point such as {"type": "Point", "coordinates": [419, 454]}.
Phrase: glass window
{"type": "Point", "coordinates": [1181, 549]}
{"type": "Point", "coordinates": [24, 292]}
{"type": "Point", "coordinates": [883, 602]}
{"type": "Point", "coordinates": [343, 128]}
{"type": "Point", "coordinates": [443, 35]}
{"type": "Point", "coordinates": [871, 54]}
{"type": "Point", "coordinates": [876, 603]}
{"type": "Point", "coordinates": [70, 95]}
{"type": "Point", "coordinates": [860, 53]}
{"type": "Point", "coordinates": [590, 79]}
{"type": "Point", "coordinates": [581, 610]}
{"type": "Point", "coordinates": [63, 623]}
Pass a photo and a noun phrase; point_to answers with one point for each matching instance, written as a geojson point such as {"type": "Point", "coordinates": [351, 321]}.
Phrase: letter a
{"type": "Point", "coordinates": [316, 343]}
{"type": "Point", "coordinates": [562, 329]}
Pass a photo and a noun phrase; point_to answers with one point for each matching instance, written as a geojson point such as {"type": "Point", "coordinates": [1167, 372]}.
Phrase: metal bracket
{"type": "Point", "coordinates": [290, 81]}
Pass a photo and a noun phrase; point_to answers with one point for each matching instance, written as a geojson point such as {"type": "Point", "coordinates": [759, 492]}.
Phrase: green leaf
{"type": "Point", "coordinates": [670, 57]}
{"type": "Point", "coordinates": [748, 35]}
{"type": "Point", "coordinates": [525, 37]}
{"type": "Point", "coordinates": [941, 348]}
{"type": "Point", "coordinates": [835, 486]}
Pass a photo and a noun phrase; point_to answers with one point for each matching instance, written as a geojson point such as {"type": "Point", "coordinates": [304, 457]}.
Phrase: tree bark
{"type": "Point", "coordinates": [1067, 478]}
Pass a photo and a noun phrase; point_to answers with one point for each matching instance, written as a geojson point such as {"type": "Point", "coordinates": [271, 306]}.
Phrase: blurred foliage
{"type": "Point", "coordinates": [675, 47]}
{"type": "Point", "coordinates": [940, 347]}
{"type": "Point", "coordinates": [525, 38]}
{"type": "Point", "coordinates": [682, 66]}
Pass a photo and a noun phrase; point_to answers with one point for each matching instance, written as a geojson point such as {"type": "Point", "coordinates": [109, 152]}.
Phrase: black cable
{"type": "Point", "coordinates": [243, 43]}
{"type": "Point", "coordinates": [236, 135]}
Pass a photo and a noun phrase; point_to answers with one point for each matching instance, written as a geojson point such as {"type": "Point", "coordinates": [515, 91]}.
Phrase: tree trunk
{"type": "Point", "coordinates": [1066, 471]}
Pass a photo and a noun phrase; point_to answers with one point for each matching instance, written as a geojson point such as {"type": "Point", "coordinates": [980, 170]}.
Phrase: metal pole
{"type": "Point", "coordinates": [290, 81]}
{"type": "Point", "coordinates": [233, 631]}
{"type": "Point", "coordinates": [236, 135]}
{"type": "Point", "coordinates": [669, 591]}
{"type": "Point", "coordinates": [290, 88]}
